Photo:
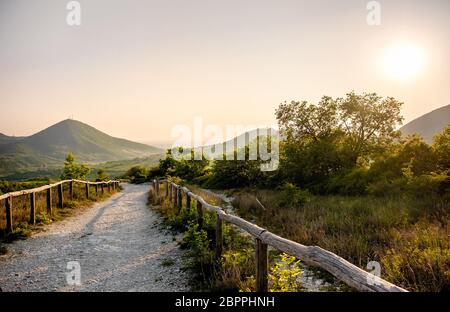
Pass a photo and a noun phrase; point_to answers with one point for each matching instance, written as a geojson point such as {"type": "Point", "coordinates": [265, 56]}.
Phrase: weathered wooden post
{"type": "Point", "coordinates": [261, 266]}
{"type": "Point", "coordinates": [109, 187]}
{"type": "Point", "coordinates": [188, 201]}
{"type": "Point", "coordinates": [49, 201]}
{"type": "Point", "coordinates": [96, 189]}
{"type": "Point", "coordinates": [71, 189]}
{"type": "Point", "coordinates": [219, 237]}
{"type": "Point", "coordinates": [60, 195]}
{"type": "Point", "coordinates": [87, 190]}
{"type": "Point", "coordinates": [167, 188]}
{"type": "Point", "coordinates": [32, 208]}
{"type": "Point", "coordinates": [180, 198]}
{"type": "Point", "coordinates": [103, 188]}
{"type": "Point", "coordinates": [157, 187]}
{"type": "Point", "coordinates": [9, 222]}
{"type": "Point", "coordinates": [175, 196]}
{"type": "Point", "coordinates": [170, 191]}
{"type": "Point", "coordinates": [199, 214]}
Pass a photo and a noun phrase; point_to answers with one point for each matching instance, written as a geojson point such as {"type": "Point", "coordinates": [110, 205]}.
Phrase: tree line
{"type": "Point", "coordinates": [347, 145]}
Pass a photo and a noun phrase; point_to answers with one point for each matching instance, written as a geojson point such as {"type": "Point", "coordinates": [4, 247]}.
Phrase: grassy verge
{"type": "Point", "coordinates": [235, 270]}
{"type": "Point", "coordinates": [21, 212]}
{"type": "Point", "coordinates": [407, 236]}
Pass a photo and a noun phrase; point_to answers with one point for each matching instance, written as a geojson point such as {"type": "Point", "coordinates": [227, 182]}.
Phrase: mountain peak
{"type": "Point", "coordinates": [69, 135]}
{"type": "Point", "coordinates": [429, 124]}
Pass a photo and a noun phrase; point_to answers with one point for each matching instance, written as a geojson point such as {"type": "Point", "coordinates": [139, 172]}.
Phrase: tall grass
{"type": "Point", "coordinates": [409, 237]}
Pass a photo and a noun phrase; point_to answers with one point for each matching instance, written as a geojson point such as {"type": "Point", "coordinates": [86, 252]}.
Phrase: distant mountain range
{"type": "Point", "coordinates": [429, 124]}
{"type": "Point", "coordinates": [48, 148]}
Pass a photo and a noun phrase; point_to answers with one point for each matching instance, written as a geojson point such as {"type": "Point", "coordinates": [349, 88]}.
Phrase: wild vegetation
{"type": "Point", "coordinates": [235, 269]}
{"type": "Point", "coordinates": [348, 182]}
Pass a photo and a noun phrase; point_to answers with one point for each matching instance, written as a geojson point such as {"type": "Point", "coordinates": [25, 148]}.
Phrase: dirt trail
{"type": "Point", "coordinates": [118, 244]}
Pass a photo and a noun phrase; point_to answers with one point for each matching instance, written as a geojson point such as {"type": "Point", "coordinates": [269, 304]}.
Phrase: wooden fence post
{"type": "Point", "coordinates": [180, 198]}
{"type": "Point", "coordinates": [32, 208]}
{"type": "Point", "coordinates": [87, 190]}
{"type": "Point", "coordinates": [219, 238]}
{"type": "Point", "coordinates": [157, 187]}
{"type": "Point", "coordinates": [199, 214]}
{"type": "Point", "coordinates": [174, 191]}
{"type": "Point", "coordinates": [49, 201]}
{"type": "Point", "coordinates": [103, 188]}
{"type": "Point", "coordinates": [175, 195]}
{"type": "Point", "coordinates": [261, 266]}
{"type": "Point", "coordinates": [60, 196]}
{"type": "Point", "coordinates": [96, 189]}
{"type": "Point", "coordinates": [71, 190]}
{"type": "Point", "coordinates": [188, 201]}
{"type": "Point", "coordinates": [9, 222]}
{"type": "Point", "coordinates": [170, 191]}
{"type": "Point", "coordinates": [109, 187]}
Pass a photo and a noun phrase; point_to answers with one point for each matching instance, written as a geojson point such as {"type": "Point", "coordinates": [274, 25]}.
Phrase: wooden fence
{"type": "Point", "coordinates": [9, 203]}
{"type": "Point", "coordinates": [343, 270]}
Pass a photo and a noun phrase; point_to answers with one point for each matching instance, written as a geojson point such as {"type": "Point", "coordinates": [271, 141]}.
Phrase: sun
{"type": "Point", "coordinates": [404, 61]}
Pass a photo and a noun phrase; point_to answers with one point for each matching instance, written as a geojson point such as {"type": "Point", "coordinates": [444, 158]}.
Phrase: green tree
{"type": "Point", "coordinates": [137, 174]}
{"type": "Point", "coordinates": [334, 136]}
{"type": "Point", "coordinates": [305, 121]}
{"type": "Point", "coordinates": [368, 121]}
{"type": "Point", "coordinates": [73, 170]}
{"type": "Point", "coordinates": [441, 147]}
{"type": "Point", "coordinates": [101, 175]}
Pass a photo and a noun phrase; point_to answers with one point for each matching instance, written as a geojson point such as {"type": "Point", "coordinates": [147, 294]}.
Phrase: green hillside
{"type": "Point", "coordinates": [46, 150]}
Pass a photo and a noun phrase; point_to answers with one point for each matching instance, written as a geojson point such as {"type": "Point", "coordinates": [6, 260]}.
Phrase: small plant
{"type": "Point", "coordinates": [167, 262]}
{"type": "Point", "coordinates": [199, 252]}
{"type": "Point", "coordinates": [3, 250]}
{"type": "Point", "coordinates": [236, 267]}
{"type": "Point", "coordinates": [291, 196]}
{"type": "Point", "coordinates": [42, 218]}
{"type": "Point", "coordinates": [284, 275]}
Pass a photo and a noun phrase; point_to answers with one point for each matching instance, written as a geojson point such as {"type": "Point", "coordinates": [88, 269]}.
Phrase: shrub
{"type": "Point", "coordinates": [292, 196]}
{"type": "Point", "coordinates": [136, 174]}
{"type": "Point", "coordinates": [284, 275]}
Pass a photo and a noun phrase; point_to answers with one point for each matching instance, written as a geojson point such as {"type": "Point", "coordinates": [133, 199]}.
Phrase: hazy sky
{"type": "Point", "coordinates": [135, 69]}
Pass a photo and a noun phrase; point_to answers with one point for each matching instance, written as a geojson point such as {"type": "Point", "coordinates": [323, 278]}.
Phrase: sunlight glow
{"type": "Point", "coordinates": [403, 61]}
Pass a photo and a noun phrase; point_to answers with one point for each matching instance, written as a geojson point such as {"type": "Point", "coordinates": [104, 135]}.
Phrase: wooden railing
{"type": "Point", "coordinates": [343, 270]}
{"type": "Point", "coordinates": [8, 198]}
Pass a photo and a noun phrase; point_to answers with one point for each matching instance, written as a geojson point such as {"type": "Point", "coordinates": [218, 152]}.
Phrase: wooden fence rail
{"type": "Point", "coordinates": [8, 198]}
{"type": "Point", "coordinates": [343, 270]}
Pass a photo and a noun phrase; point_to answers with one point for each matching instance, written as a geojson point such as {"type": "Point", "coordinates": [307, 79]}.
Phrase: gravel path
{"type": "Point", "coordinates": [118, 244]}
